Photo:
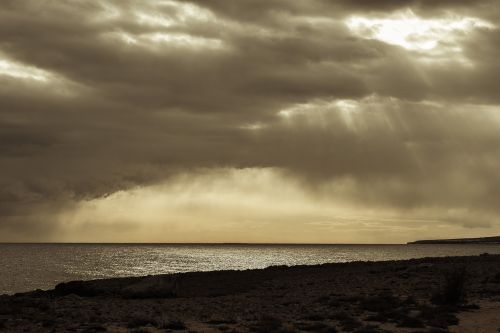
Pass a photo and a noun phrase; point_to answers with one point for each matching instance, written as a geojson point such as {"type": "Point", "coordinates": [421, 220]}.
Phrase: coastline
{"type": "Point", "coordinates": [494, 240]}
{"type": "Point", "coordinates": [382, 296]}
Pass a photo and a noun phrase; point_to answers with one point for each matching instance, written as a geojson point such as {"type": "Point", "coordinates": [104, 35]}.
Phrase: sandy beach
{"type": "Point", "coordinates": [452, 294]}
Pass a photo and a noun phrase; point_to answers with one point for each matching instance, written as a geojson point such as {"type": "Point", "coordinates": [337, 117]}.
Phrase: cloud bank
{"type": "Point", "coordinates": [295, 116]}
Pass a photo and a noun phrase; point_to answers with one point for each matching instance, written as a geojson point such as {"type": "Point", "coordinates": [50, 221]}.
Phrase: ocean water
{"type": "Point", "coordinates": [25, 267]}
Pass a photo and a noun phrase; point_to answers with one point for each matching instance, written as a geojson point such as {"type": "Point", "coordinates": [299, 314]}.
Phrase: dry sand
{"type": "Point", "coordinates": [484, 320]}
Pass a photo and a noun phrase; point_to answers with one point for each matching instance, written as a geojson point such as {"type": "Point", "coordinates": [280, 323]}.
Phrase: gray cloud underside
{"type": "Point", "coordinates": [115, 116]}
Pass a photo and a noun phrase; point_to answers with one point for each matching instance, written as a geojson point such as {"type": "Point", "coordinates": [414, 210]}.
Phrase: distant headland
{"type": "Point", "coordinates": [479, 240]}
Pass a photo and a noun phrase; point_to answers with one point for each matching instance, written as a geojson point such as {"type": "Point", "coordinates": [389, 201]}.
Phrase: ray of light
{"type": "Point", "coordinates": [431, 38]}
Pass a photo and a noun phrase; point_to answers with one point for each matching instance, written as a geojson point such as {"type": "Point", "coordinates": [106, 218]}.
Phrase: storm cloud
{"type": "Point", "coordinates": [388, 111]}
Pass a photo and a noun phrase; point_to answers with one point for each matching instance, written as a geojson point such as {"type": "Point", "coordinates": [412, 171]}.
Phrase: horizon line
{"type": "Point", "coordinates": [195, 243]}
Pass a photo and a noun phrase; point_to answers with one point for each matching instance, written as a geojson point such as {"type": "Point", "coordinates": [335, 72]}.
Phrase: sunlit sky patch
{"type": "Point", "coordinates": [351, 113]}
{"type": "Point", "coordinates": [171, 13]}
{"type": "Point", "coordinates": [433, 37]}
{"type": "Point", "coordinates": [222, 202]}
{"type": "Point", "coordinates": [158, 41]}
{"type": "Point", "coordinates": [186, 40]}
{"type": "Point", "coordinates": [19, 71]}
{"type": "Point", "coordinates": [162, 19]}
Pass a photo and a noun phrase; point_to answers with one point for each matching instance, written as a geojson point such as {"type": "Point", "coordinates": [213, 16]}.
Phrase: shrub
{"type": "Point", "coordinates": [380, 303]}
{"type": "Point", "coordinates": [368, 329]}
{"type": "Point", "coordinates": [379, 317]}
{"type": "Point", "coordinates": [453, 290]}
{"type": "Point", "coordinates": [267, 324]}
{"type": "Point", "coordinates": [139, 322]}
{"type": "Point", "coordinates": [312, 327]}
{"type": "Point", "coordinates": [322, 299]}
{"type": "Point", "coordinates": [175, 325]}
{"type": "Point", "coordinates": [437, 316]}
{"type": "Point", "coordinates": [220, 321]}
{"type": "Point", "coordinates": [410, 322]}
{"type": "Point", "coordinates": [140, 330]}
{"type": "Point", "coordinates": [347, 322]}
{"type": "Point", "coordinates": [314, 317]}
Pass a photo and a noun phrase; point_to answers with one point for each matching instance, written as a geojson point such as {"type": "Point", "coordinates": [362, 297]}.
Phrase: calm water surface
{"type": "Point", "coordinates": [26, 267]}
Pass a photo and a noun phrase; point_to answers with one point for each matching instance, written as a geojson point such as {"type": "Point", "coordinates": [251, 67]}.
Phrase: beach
{"type": "Point", "coordinates": [418, 295]}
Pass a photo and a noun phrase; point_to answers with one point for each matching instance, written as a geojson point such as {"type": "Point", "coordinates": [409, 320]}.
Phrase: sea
{"type": "Point", "coordinates": [25, 267]}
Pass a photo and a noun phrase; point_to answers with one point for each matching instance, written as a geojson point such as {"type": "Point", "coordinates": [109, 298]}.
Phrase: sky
{"type": "Point", "coordinates": [304, 121]}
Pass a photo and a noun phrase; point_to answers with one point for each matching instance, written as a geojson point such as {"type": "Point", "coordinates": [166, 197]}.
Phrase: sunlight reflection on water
{"type": "Point", "coordinates": [31, 266]}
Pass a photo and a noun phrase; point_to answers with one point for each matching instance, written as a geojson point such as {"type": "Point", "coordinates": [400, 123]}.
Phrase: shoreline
{"type": "Point", "coordinates": [35, 266]}
{"type": "Point", "coordinates": [361, 296]}
{"type": "Point", "coordinates": [117, 283]}
{"type": "Point", "coordinates": [97, 281]}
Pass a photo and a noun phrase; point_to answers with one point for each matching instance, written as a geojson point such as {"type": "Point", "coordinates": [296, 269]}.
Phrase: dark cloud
{"type": "Point", "coordinates": [95, 98]}
{"type": "Point", "coordinates": [384, 5]}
